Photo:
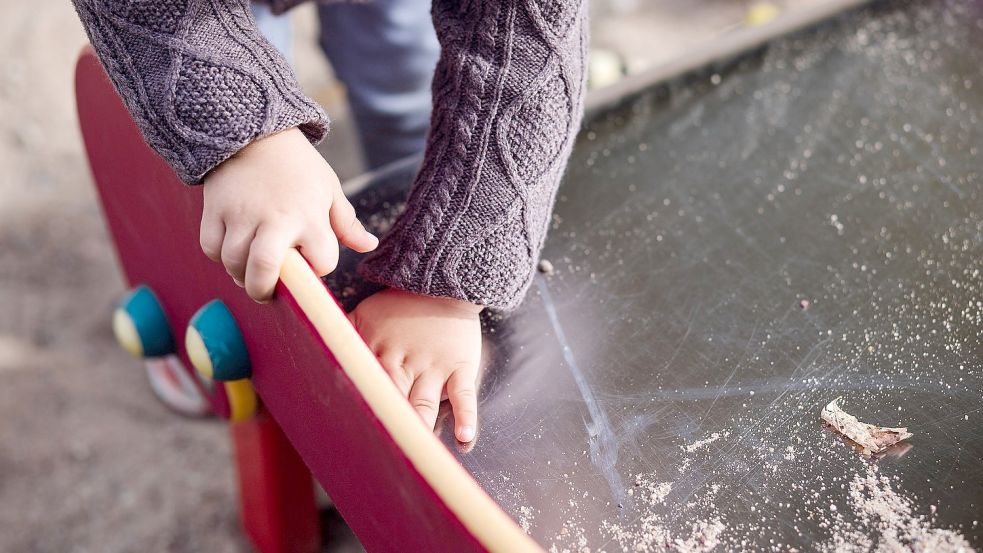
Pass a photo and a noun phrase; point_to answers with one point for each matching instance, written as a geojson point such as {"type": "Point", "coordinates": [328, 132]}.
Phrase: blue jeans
{"type": "Point", "coordinates": [384, 51]}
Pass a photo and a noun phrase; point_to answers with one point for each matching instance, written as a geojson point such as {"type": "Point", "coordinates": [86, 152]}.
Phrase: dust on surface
{"type": "Point", "coordinates": [841, 167]}
{"type": "Point", "coordinates": [702, 444]}
{"type": "Point", "coordinates": [863, 511]}
{"type": "Point", "coordinates": [874, 505]}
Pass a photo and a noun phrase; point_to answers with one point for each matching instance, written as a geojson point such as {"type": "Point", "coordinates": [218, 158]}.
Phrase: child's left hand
{"type": "Point", "coordinates": [431, 348]}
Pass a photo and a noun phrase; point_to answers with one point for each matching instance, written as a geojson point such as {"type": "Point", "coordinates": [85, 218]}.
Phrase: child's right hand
{"type": "Point", "coordinates": [277, 193]}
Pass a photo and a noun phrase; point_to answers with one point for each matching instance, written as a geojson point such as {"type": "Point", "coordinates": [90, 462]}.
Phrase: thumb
{"type": "Point", "coordinates": [347, 227]}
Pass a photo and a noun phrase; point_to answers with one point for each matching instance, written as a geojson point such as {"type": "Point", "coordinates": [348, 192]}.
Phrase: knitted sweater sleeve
{"type": "Point", "coordinates": [508, 97]}
{"type": "Point", "coordinates": [197, 77]}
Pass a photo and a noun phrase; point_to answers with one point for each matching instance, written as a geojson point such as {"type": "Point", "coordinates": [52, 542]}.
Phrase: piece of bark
{"type": "Point", "coordinates": [872, 439]}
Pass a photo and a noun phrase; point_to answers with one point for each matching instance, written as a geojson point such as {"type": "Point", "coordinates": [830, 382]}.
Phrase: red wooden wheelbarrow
{"type": "Point", "coordinates": [305, 394]}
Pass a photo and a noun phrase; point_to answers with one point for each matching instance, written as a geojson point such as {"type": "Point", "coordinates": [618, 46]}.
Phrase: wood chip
{"type": "Point", "coordinates": [872, 439]}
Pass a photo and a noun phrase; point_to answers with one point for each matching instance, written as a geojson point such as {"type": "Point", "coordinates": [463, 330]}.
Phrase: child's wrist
{"type": "Point", "coordinates": [444, 302]}
{"type": "Point", "coordinates": [466, 305]}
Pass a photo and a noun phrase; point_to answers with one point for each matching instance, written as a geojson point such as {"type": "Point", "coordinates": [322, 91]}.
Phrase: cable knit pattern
{"type": "Point", "coordinates": [508, 94]}
{"type": "Point", "coordinates": [508, 97]}
{"type": "Point", "coordinates": [197, 77]}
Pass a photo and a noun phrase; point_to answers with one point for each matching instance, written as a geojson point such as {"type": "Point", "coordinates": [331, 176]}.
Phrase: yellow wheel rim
{"type": "Point", "coordinates": [198, 353]}
{"type": "Point", "coordinates": [126, 333]}
{"type": "Point", "coordinates": [242, 399]}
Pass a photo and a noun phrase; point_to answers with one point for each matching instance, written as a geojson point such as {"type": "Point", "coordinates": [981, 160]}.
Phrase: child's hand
{"type": "Point", "coordinates": [277, 193]}
{"type": "Point", "coordinates": [431, 348]}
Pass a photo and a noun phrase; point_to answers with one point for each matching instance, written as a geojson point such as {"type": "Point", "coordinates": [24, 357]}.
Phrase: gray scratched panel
{"type": "Point", "coordinates": [731, 253]}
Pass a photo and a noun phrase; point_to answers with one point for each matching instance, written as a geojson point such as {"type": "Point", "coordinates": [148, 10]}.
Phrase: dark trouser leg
{"type": "Point", "coordinates": [384, 51]}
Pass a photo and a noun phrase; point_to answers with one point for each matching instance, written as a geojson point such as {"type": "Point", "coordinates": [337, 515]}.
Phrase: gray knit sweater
{"type": "Point", "coordinates": [201, 83]}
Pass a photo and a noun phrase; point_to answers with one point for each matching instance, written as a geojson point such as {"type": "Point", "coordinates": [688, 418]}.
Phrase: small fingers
{"type": "Point", "coordinates": [235, 250]}
{"type": "Point", "coordinates": [462, 393]}
{"type": "Point", "coordinates": [347, 227]}
{"type": "Point", "coordinates": [425, 397]}
{"type": "Point", "coordinates": [393, 363]}
{"type": "Point", "coordinates": [266, 256]}
{"type": "Point", "coordinates": [211, 235]}
{"type": "Point", "coordinates": [320, 249]}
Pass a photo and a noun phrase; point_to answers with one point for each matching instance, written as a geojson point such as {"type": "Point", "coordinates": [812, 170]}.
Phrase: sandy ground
{"type": "Point", "coordinates": [89, 461]}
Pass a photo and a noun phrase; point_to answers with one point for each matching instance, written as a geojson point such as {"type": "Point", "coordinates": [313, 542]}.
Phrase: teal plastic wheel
{"type": "Point", "coordinates": [215, 344]}
{"type": "Point", "coordinates": [140, 326]}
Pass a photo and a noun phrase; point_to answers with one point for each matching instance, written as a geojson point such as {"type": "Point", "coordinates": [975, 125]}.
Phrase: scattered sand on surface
{"type": "Point", "coordinates": [874, 516]}
{"type": "Point", "coordinates": [526, 517]}
{"type": "Point", "coordinates": [652, 533]}
{"type": "Point", "coordinates": [886, 521]}
{"type": "Point", "coordinates": [700, 444]}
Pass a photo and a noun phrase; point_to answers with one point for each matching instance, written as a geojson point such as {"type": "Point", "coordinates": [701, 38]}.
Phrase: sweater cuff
{"type": "Point", "coordinates": [508, 97]}
{"type": "Point", "coordinates": [209, 155]}
{"type": "Point", "coordinates": [493, 268]}
{"type": "Point", "coordinates": [198, 78]}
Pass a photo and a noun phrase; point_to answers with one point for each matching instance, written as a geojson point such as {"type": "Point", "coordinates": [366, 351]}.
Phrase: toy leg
{"type": "Point", "coordinates": [276, 489]}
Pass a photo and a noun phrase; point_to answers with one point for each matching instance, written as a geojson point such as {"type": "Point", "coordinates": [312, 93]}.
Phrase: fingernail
{"type": "Point", "coordinates": [465, 434]}
{"type": "Point", "coordinates": [238, 282]}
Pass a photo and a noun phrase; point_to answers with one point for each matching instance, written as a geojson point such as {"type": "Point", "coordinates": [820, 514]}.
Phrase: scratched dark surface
{"type": "Point", "coordinates": [731, 252]}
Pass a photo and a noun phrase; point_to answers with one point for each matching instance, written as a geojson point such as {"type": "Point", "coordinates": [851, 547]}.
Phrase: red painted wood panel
{"type": "Point", "coordinates": [154, 222]}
